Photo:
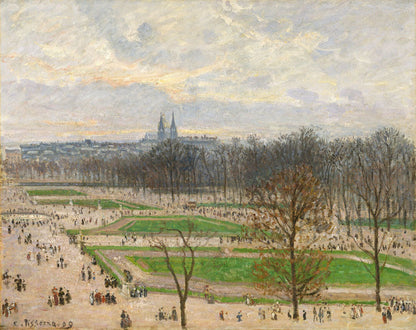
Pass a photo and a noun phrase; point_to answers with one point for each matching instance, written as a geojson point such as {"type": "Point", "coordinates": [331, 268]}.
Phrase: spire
{"type": "Point", "coordinates": [161, 132]}
{"type": "Point", "coordinates": [173, 131]}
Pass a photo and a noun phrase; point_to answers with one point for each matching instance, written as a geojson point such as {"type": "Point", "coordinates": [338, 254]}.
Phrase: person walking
{"type": "Point", "coordinates": [388, 314]}
{"type": "Point", "coordinates": [174, 314]}
{"type": "Point", "coordinates": [384, 316]}
{"type": "Point", "coordinates": [92, 298]}
{"type": "Point", "coordinates": [122, 321]}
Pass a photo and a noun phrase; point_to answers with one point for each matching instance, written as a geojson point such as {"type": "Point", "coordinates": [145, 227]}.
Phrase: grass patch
{"type": "Point", "coordinates": [401, 262]}
{"type": "Point", "coordinates": [173, 216]}
{"type": "Point", "coordinates": [135, 206]}
{"type": "Point", "coordinates": [55, 192]}
{"type": "Point", "coordinates": [53, 202]}
{"type": "Point", "coordinates": [202, 224]}
{"type": "Point", "coordinates": [239, 270]}
{"type": "Point", "coordinates": [345, 271]}
{"type": "Point", "coordinates": [72, 231]}
{"type": "Point", "coordinates": [392, 260]}
{"type": "Point", "coordinates": [149, 248]}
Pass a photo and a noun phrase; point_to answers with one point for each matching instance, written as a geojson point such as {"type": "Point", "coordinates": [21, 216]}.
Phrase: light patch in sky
{"type": "Point", "coordinates": [107, 69]}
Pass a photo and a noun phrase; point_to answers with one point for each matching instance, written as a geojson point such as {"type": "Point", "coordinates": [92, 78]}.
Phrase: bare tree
{"type": "Point", "coordinates": [289, 207]}
{"type": "Point", "coordinates": [187, 255]}
{"type": "Point", "coordinates": [377, 182]}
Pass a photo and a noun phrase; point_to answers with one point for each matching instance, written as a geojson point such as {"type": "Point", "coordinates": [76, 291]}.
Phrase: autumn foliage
{"type": "Point", "coordinates": [290, 212]}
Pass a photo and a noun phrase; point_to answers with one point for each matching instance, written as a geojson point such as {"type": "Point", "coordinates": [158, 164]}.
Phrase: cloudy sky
{"type": "Point", "coordinates": [105, 70]}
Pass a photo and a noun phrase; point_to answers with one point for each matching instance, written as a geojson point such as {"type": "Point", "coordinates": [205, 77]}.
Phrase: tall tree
{"type": "Point", "coordinates": [187, 264]}
{"type": "Point", "coordinates": [377, 181]}
{"type": "Point", "coordinates": [289, 207]}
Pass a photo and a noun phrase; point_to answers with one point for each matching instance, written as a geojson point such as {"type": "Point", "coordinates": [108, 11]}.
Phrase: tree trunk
{"type": "Point", "coordinates": [388, 216]}
{"type": "Point", "coordinates": [377, 266]}
{"type": "Point", "coordinates": [225, 187]}
{"type": "Point", "coordinates": [182, 303]}
{"type": "Point", "coordinates": [360, 223]}
{"type": "Point", "coordinates": [293, 273]}
{"type": "Point", "coordinates": [171, 187]}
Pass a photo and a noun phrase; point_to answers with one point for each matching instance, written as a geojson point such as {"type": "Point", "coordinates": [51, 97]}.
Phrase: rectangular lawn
{"type": "Point", "coordinates": [201, 225]}
{"type": "Point", "coordinates": [135, 206]}
{"type": "Point", "coordinates": [55, 192]}
{"type": "Point", "coordinates": [343, 271]}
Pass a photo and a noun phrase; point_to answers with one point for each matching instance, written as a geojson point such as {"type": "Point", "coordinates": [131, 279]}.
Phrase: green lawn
{"type": "Point", "coordinates": [148, 248]}
{"type": "Point", "coordinates": [55, 192]}
{"type": "Point", "coordinates": [202, 224]}
{"type": "Point", "coordinates": [135, 206]}
{"type": "Point", "coordinates": [392, 260]}
{"type": "Point", "coordinates": [53, 201]}
{"type": "Point", "coordinates": [343, 271]}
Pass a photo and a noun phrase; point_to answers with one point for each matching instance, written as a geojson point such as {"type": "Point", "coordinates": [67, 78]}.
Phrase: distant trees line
{"type": "Point", "coordinates": [359, 176]}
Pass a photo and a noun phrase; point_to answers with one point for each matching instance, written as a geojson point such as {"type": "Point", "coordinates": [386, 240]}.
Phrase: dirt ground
{"type": "Point", "coordinates": [33, 308]}
{"type": "Point", "coordinates": [41, 279]}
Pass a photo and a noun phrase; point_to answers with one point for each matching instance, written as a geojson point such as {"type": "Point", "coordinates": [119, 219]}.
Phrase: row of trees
{"type": "Point", "coordinates": [374, 175]}
{"type": "Point", "coordinates": [228, 170]}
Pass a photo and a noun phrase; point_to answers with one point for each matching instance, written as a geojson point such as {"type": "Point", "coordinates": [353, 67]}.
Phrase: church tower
{"type": "Point", "coordinates": [173, 131]}
{"type": "Point", "coordinates": [161, 129]}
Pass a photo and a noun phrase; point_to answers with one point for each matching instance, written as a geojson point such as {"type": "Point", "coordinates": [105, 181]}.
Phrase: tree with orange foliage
{"type": "Point", "coordinates": [290, 211]}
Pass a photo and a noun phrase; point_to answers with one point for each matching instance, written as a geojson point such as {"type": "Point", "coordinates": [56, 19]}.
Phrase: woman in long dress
{"type": "Point", "coordinates": [55, 298]}
{"type": "Point", "coordinates": [92, 298]}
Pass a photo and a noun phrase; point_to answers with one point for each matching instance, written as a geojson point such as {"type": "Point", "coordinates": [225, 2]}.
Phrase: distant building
{"type": "Point", "coordinates": [13, 155]}
{"type": "Point", "coordinates": [107, 150]}
{"type": "Point", "coordinates": [164, 131]}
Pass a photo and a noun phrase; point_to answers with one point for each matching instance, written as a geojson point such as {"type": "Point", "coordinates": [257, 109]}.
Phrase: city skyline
{"type": "Point", "coordinates": [105, 70]}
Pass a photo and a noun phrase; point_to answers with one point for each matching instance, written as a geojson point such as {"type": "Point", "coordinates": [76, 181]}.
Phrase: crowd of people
{"type": "Point", "coordinates": [321, 313]}
{"type": "Point", "coordinates": [274, 311]}
{"type": "Point", "coordinates": [59, 297]}
{"type": "Point", "coordinates": [87, 274]}
{"type": "Point", "coordinates": [139, 291]}
{"type": "Point", "coordinates": [7, 308]}
{"type": "Point", "coordinates": [125, 320]}
{"type": "Point", "coordinates": [356, 311]}
{"type": "Point", "coordinates": [164, 315]}
{"type": "Point", "coordinates": [401, 305]}
{"type": "Point", "coordinates": [110, 282]}
{"type": "Point", "coordinates": [99, 298]}
{"type": "Point", "coordinates": [19, 282]}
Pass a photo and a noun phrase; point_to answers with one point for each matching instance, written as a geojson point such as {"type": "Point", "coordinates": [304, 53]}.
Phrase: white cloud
{"type": "Point", "coordinates": [343, 55]}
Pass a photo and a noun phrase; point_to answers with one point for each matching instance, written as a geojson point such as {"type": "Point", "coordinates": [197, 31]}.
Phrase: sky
{"type": "Point", "coordinates": [105, 70]}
